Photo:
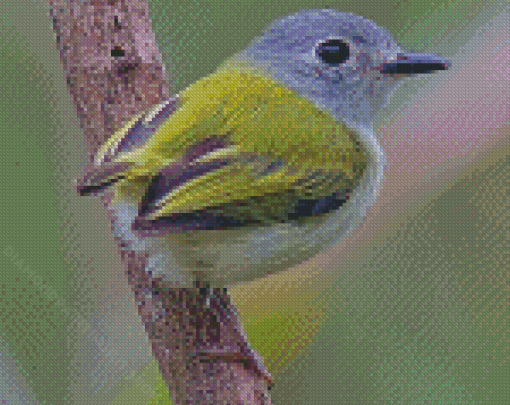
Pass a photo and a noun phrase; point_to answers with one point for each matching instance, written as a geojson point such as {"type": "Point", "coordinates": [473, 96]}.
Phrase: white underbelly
{"type": "Point", "coordinates": [224, 257]}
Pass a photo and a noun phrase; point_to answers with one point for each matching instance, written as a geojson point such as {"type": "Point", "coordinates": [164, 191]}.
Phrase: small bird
{"type": "Point", "coordinates": [263, 163]}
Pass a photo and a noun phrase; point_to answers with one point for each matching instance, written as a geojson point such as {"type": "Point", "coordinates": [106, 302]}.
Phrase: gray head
{"type": "Point", "coordinates": [343, 62]}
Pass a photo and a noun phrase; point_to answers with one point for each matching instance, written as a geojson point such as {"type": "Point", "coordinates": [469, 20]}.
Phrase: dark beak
{"type": "Point", "coordinates": [414, 63]}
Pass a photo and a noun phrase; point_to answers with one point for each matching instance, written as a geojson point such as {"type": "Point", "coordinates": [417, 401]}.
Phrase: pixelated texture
{"type": "Point", "coordinates": [181, 43]}
{"type": "Point", "coordinates": [407, 320]}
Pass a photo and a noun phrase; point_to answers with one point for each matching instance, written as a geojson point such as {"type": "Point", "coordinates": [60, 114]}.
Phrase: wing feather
{"type": "Point", "coordinates": [272, 154]}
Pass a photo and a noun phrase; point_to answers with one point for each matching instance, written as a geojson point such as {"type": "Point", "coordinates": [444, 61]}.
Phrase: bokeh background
{"type": "Point", "coordinates": [411, 309]}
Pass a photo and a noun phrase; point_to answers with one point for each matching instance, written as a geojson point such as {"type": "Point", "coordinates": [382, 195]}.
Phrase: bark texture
{"type": "Point", "coordinates": [113, 71]}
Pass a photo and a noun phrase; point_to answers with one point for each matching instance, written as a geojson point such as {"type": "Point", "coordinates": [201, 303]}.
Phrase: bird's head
{"type": "Point", "coordinates": [345, 63]}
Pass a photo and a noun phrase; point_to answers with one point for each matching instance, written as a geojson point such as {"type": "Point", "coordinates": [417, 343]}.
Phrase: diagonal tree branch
{"type": "Point", "coordinates": [114, 70]}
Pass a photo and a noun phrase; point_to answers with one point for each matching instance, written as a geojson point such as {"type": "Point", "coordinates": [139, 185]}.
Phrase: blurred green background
{"type": "Point", "coordinates": [412, 311]}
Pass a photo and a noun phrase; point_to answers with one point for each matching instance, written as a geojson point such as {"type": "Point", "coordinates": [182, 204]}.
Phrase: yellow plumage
{"type": "Point", "coordinates": [262, 124]}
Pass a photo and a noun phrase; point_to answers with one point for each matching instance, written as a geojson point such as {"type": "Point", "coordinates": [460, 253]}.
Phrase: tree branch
{"type": "Point", "coordinates": [114, 70]}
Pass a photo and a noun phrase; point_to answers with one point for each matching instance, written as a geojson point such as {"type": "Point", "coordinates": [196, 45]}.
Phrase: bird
{"type": "Point", "coordinates": [265, 162]}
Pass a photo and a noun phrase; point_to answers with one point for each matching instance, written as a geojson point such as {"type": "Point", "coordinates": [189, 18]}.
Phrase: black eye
{"type": "Point", "coordinates": [333, 51]}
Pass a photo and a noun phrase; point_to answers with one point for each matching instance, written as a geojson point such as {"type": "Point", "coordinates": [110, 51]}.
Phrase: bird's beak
{"type": "Point", "coordinates": [414, 63]}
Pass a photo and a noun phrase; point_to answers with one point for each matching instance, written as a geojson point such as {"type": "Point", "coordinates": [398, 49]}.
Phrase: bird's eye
{"type": "Point", "coordinates": [333, 51]}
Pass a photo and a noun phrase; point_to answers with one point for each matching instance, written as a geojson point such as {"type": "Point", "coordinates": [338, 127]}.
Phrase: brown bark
{"type": "Point", "coordinates": [114, 70]}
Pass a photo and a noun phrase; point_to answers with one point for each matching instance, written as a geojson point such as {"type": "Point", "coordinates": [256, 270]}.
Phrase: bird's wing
{"type": "Point", "coordinates": [231, 177]}
{"type": "Point", "coordinates": [272, 142]}
{"type": "Point", "coordinates": [235, 136]}
{"type": "Point", "coordinates": [108, 168]}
